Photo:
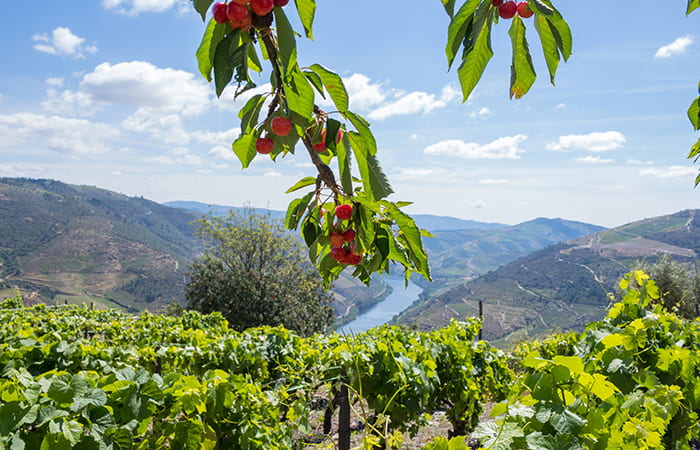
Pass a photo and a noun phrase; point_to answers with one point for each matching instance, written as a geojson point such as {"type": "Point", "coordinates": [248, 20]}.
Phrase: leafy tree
{"type": "Point", "coordinates": [254, 273]}
{"type": "Point", "coordinates": [679, 285]}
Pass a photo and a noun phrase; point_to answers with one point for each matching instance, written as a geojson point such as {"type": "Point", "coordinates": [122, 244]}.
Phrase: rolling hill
{"type": "Point", "coordinates": [563, 286]}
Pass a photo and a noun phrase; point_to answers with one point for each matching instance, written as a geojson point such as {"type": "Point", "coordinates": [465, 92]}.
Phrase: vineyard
{"type": "Point", "coordinates": [74, 377]}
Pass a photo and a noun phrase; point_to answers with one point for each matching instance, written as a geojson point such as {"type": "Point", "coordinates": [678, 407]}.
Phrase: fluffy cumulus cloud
{"type": "Point", "coordinates": [414, 102]}
{"type": "Point", "coordinates": [677, 47]}
{"type": "Point", "coordinates": [143, 85]}
{"type": "Point", "coordinates": [363, 93]}
{"type": "Point", "coordinates": [506, 147]}
{"type": "Point", "coordinates": [594, 142]}
{"type": "Point", "coordinates": [62, 42]}
{"type": "Point", "coordinates": [411, 174]}
{"type": "Point", "coordinates": [483, 113]}
{"type": "Point", "coordinates": [21, 170]}
{"type": "Point", "coordinates": [594, 160]}
{"type": "Point", "coordinates": [36, 132]}
{"type": "Point", "coordinates": [669, 172]}
{"type": "Point", "coordinates": [136, 7]}
{"type": "Point", "coordinates": [221, 152]}
{"type": "Point", "coordinates": [69, 103]}
{"type": "Point", "coordinates": [168, 129]}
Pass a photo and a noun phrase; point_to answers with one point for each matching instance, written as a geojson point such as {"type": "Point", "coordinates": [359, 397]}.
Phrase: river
{"type": "Point", "coordinates": [381, 313]}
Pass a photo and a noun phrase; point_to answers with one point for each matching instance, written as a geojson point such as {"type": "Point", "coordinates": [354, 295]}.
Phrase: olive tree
{"type": "Point", "coordinates": [255, 273]}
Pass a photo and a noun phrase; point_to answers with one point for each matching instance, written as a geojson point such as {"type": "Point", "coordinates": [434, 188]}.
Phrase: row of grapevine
{"type": "Point", "coordinates": [73, 377]}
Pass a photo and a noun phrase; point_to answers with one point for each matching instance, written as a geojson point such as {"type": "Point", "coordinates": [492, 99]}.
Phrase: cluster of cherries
{"type": "Point", "coordinates": [344, 254]}
{"type": "Point", "coordinates": [282, 126]}
{"type": "Point", "coordinates": [508, 9]}
{"type": "Point", "coordinates": [240, 12]}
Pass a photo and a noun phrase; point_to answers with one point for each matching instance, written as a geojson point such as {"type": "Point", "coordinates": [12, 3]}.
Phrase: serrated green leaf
{"type": "Point", "coordinates": [695, 150]}
{"type": "Point", "coordinates": [694, 113]}
{"type": "Point", "coordinates": [253, 60]}
{"type": "Point", "coordinates": [315, 81]}
{"type": "Point", "coordinates": [250, 113]}
{"type": "Point", "coordinates": [334, 86]}
{"type": "Point", "coordinates": [522, 70]}
{"type": "Point", "coordinates": [306, 10]}
{"type": "Point", "coordinates": [306, 181]}
{"type": "Point", "coordinates": [549, 45]}
{"type": "Point", "coordinates": [344, 163]}
{"type": "Point", "coordinates": [692, 6]}
{"type": "Point", "coordinates": [207, 48]}
{"type": "Point", "coordinates": [475, 60]}
{"type": "Point", "coordinates": [244, 148]}
{"type": "Point", "coordinates": [223, 70]}
{"type": "Point", "coordinates": [295, 211]}
{"type": "Point", "coordinates": [412, 234]}
{"type": "Point", "coordinates": [362, 127]}
{"type": "Point", "coordinates": [300, 98]}
{"type": "Point", "coordinates": [539, 7]}
{"type": "Point", "coordinates": [202, 6]}
{"type": "Point", "coordinates": [449, 6]}
{"type": "Point", "coordinates": [560, 30]}
{"type": "Point", "coordinates": [374, 181]}
{"type": "Point", "coordinates": [457, 29]}
{"type": "Point", "coordinates": [287, 43]}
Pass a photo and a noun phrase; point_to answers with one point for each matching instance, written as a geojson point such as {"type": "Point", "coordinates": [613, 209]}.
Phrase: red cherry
{"type": "Point", "coordinates": [281, 126]}
{"type": "Point", "coordinates": [236, 12]}
{"type": "Point", "coordinates": [320, 147]}
{"type": "Point", "coordinates": [264, 145]}
{"type": "Point", "coordinates": [281, 2]}
{"type": "Point", "coordinates": [524, 10]}
{"type": "Point", "coordinates": [353, 259]}
{"type": "Point", "coordinates": [242, 24]}
{"type": "Point", "coordinates": [349, 235]}
{"type": "Point", "coordinates": [343, 212]}
{"type": "Point", "coordinates": [497, 3]}
{"type": "Point", "coordinates": [337, 240]}
{"type": "Point", "coordinates": [261, 7]}
{"type": "Point", "coordinates": [339, 254]}
{"type": "Point", "coordinates": [241, 2]}
{"type": "Point", "coordinates": [219, 12]}
{"type": "Point", "coordinates": [507, 10]}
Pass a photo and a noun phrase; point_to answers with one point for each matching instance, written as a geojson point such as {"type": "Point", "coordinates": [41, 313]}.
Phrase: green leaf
{"type": "Point", "coordinates": [692, 5]}
{"type": "Point", "coordinates": [412, 233]}
{"type": "Point", "coordinates": [457, 29]}
{"type": "Point", "coordinates": [334, 85]}
{"type": "Point", "coordinates": [253, 59]}
{"type": "Point", "coordinates": [522, 71]}
{"type": "Point", "coordinates": [374, 180]}
{"type": "Point", "coordinates": [315, 81]}
{"type": "Point", "coordinates": [244, 148]}
{"type": "Point", "coordinates": [539, 7]}
{"type": "Point", "coordinates": [695, 150]}
{"type": "Point", "coordinates": [560, 31]}
{"type": "Point", "coordinates": [694, 113]}
{"type": "Point", "coordinates": [549, 45]}
{"type": "Point", "coordinates": [344, 163]}
{"type": "Point", "coordinates": [306, 181]}
{"type": "Point", "coordinates": [223, 70]}
{"type": "Point", "coordinates": [362, 127]}
{"type": "Point", "coordinates": [300, 98]}
{"type": "Point", "coordinates": [250, 113]}
{"type": "Point", "coordinates": [306, 10]}
{"type": "Point", "coordinates": [286, 41]}
{"type": "Point", "coordinates": [207, 48]}
{"type": "Point", "coordinates": [476, 58]}
{"type": "Point", "coordinates": [449, 6]}
{"type": "Point", "coordinates": [202, 6]}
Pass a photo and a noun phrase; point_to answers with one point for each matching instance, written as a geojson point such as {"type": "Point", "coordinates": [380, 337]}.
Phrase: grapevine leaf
{"type": "Point", "coordinates": [362, 127]}
{"type": "Point", "coordinates": [287, 42]}
{"type": "Point", "coordinates": [549, 45]}
{"type": "Point", "coordinates": [694, 113]}
{"type": "Point", "coordinates": [692, 5]}
{"type": "Point", "coordinates": [207, 48]}
{"type": "Point", "coordinates": [202, 6]}
{"type": "Point", "coordinates": [306, 181]}
{"type": "Point", "coordinates": [476, 58]}
{"type": "Point", "coordinates": [458, 28]}
{"type": "Point", "coordinates": [522, 71]}
{"type": "Point", "coordinates": [374, 180]}
{"type": "Point", "coordinates": [244, 148]}
{"type": "Point", "coordinates": [334, 85]}
{"type": "Point", "coordinates": [306, 10]}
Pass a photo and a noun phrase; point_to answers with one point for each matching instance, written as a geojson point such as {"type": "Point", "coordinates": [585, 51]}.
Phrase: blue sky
{"type": "Point", "coordinates": [107, 93]}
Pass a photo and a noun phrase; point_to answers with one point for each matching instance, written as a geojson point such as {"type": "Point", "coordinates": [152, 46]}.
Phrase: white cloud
{"type": "Point", "coordinates": [69, 103]}
{"type": "Point", "coordinates": [168, 129]}
{"type": "Point", "coordinates": [21, 170]}
{"type": "Point", "coordinates": [636, 162]}
{"type": "Point", "coordinates": [669, 172]}
{"type": "Point", "coordinates": [410, 174]}
{"type": "Point", "coordinates": [77, 136]}
{"type": "Point", "coordinates": [58, 82]}
{"type": "Point", "coordinates": [479, 204]}
{"type": "Point", "coordinates": [220, 152]}
{"type": "Point", "coordinates": [593, 160]}
{"type": "Point", "coordinates": [483, 113]}
{"type": "Point", "coordinates": [362, 93]}
{"type": "Point", "coordinates": [502, 148]}
{"type": "Point", "coordinates": [493, 181]}
{"type": "Point", "coordinates": [136, 7]}
{"type": "Point", "coordinates": [561, 106]}
{"type": "Point", "coordinates": [62, 42]}
{"type": "Point", "coordinates": [159, 160]}
{"type": "Point", "coordinates": [414, 137]}
{"type": "Point", "coordinates": [216, 137]}
{"type": "Point", "coordinates": [594, 142]}
{"type": "Point", "coordinates": [677, 47]}
{"type": "Point", "coordinates": [415, 102]}
{"type": "Point", "coordinates": [272, 173]}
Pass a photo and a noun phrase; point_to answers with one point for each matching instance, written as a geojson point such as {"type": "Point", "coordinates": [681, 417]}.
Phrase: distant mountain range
{"type": "Point", "coordinates": [563, 286]}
